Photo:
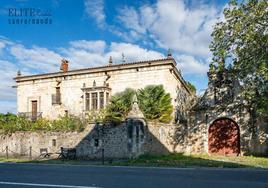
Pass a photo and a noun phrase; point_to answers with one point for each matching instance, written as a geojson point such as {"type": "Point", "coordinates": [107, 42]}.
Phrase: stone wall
{"type": "Point", "coordinates": [123, 141]}
{"type": "Point", "coordinates": [153, 138]}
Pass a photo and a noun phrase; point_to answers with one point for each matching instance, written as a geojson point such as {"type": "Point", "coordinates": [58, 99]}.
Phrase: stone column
{"type": "Point", "coordinates": [104, 99]}
{"type": "Point", "coordinates": [98, 100]}
{"type": "Point", "coordinates": [84, 101]}
{"type": "Point", "coordinates": [90, 100]}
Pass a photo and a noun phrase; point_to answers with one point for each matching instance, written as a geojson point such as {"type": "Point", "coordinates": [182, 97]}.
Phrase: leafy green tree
{"type": "Point", "coordinates": [155, 103]}
{"type": "Point", "coordinates": [242, 38]}
{"type": "Point", "coordinates": [119, 106]}
{"type": "Point", "coordinates": [191, 87]}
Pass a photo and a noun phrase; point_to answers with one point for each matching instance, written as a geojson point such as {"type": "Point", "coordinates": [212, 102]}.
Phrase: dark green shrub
{"type": "Point", "coordinates": [155, 103]}
{"type": "Point", "coordinates": [119, 106]}
{"type": "Point", "coordinates": [12, 123]}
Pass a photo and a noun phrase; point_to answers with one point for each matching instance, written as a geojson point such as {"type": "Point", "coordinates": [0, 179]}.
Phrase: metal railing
{"type": "Point", "coordinates": [56, 98]}
{"type": "Point", "coordinates": [31, 115]}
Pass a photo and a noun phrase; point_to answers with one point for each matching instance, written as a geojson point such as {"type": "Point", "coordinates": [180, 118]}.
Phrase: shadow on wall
{"type": "Point", "coordinates": [127, 140]}
{"type": "Point", "coordinates": [224, 137]}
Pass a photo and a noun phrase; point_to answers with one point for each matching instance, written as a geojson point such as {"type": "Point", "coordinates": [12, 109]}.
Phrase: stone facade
{"type": "Point", "coordinates": [78, 91]}
{"type": "Point", "coordinates": [219, 122]}
{"type": "Point", "coordinates": [222, 101]}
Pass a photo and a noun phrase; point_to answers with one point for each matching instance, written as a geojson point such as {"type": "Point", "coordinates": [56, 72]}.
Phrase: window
{"type": "Point", "coordinates": [94, 101]}
{"type": "Point", "coordinates": [56, 98]}
{"type": "Point", "coordinates": [54, 142]}
{"type": "Point", "coordinates": [96, 142]}
{"type": "Point", "coordinates": [87, 101]}
{"type": "Point", "coordinates": [107, 98]}
{"type": "Point", "coordinates": [57, 95]}
{"type": "Point", "coordinates": [101, 99]}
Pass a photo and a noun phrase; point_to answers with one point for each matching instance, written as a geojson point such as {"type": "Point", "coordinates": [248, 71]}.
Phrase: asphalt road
{"type": "Point", "coordinates": [68, 176]}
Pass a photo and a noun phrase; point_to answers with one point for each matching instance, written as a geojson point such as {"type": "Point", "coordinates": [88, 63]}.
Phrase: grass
{"type": "Point", "coordinates": [180, 160]}
{"type": "Point", "coordinates": [172, 160]}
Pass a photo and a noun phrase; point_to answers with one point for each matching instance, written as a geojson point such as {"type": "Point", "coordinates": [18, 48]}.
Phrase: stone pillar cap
{"type": "Point", "coordinates": [135, 112]}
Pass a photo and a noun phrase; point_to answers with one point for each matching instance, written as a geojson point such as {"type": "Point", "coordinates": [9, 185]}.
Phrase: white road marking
{"type": "Point", "coordinates": [44, 185]}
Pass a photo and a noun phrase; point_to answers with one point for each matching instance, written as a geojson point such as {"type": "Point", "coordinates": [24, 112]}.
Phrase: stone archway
{"type": "Point", "coordinates": [224, 137]}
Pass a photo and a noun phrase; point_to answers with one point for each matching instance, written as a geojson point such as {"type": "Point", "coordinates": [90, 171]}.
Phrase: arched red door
{"type": "Point", "coordinates": [224, 137]}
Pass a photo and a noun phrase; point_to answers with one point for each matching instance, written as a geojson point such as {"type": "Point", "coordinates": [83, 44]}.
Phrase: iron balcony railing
{"type": "Point", "coordinates": [31, 115]}
{"type": "Point", "coordinates": [56, 98]}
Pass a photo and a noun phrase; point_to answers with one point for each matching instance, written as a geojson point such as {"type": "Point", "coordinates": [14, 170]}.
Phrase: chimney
{"type": "Point", "coordinates": [64, 65]}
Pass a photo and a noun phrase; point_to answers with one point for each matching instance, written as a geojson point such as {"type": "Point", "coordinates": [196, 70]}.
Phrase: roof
{"type": "Point", "coordinates": [107, 68]}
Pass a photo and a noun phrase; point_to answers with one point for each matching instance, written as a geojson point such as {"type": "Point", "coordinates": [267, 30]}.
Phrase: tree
{"type": "Point", "coordinates": [242, 39]}
{"type": "Point", "coordinates": [155, 103]}
{"type": "Point", "coordinates": [119, 106]}
{"type": "Point", "coordinates": [191, 87]}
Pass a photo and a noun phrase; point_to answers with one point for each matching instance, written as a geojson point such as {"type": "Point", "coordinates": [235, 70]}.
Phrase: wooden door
{"type": "Point", "coordinates": [224, 137]}
{"type": "Point", "coordinates": [34, 110]}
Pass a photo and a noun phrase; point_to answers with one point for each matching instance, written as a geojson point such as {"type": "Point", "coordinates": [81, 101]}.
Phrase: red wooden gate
{"type": "Point", "coordinates": [224, 137]}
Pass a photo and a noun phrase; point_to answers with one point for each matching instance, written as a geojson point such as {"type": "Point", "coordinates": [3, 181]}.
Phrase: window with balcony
{"type": "Point", "coordinates": [95, 98]}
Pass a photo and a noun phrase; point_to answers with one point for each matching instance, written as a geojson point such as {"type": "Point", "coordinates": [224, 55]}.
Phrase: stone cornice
{"type": "Point", "coordinates": [108, 68]}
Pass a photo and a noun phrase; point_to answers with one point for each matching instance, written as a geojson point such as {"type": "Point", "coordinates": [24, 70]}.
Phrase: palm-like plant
{"type": "Point", "coordinates": [155, 103]}
{"type": "Point", "coordinates": [119, 105]}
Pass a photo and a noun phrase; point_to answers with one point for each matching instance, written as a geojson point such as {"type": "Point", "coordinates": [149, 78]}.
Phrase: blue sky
{"type": "Point", "coordinates": [87, 32]}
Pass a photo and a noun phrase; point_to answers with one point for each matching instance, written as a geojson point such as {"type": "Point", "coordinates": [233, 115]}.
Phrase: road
{"type": "Point", "coordinates": [70, 176]}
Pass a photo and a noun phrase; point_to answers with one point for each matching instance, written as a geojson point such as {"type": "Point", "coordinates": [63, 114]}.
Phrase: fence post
{"type": "Point", "coordinates": [7, 152]}
{"type": "Point", "coordinates": [30, 152]}
{"type": "Point", "coordinates": [102, 155]}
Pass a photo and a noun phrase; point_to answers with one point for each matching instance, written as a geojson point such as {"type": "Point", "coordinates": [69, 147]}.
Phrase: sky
{"type": "Point", "coordinates": [88, 32]}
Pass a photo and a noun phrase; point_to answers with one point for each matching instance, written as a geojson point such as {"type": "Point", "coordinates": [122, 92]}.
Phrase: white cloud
{"type": "Point", "coordinates": [7, 72]}
{"type": "Point", "coordinates": [95, 9]}
{"type": "Point", "coordinates": [2, 45]}
{"type": "Point", "coordinates": [131, 52]}
{"type": "Point", "coordinates": [131, 19]}
{"type": "Point", "coordinates": [41, 59]}
{"type": "Point", "coordinates": [94, 46]}
{"type": "Point", "coordinates": [190, 65]}
{"type": "Point", "coordinates": [171, 24]}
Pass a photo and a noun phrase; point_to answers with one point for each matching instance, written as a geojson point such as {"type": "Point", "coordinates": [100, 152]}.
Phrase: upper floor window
{"type": "Point", "coordinates": [56, 98]}
{"type": "Point", "coordinates": [101, 100]}
{"type": "Point", "coordinates": [94, 101]}
{"type": "Point", "coordinates": [107, 98]}
{"type": "Point", "coordinates": [87, 101]}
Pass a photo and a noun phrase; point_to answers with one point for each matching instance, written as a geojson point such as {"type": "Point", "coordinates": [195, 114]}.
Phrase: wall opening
{"type": "Point", "coordinates": [224, 137]}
